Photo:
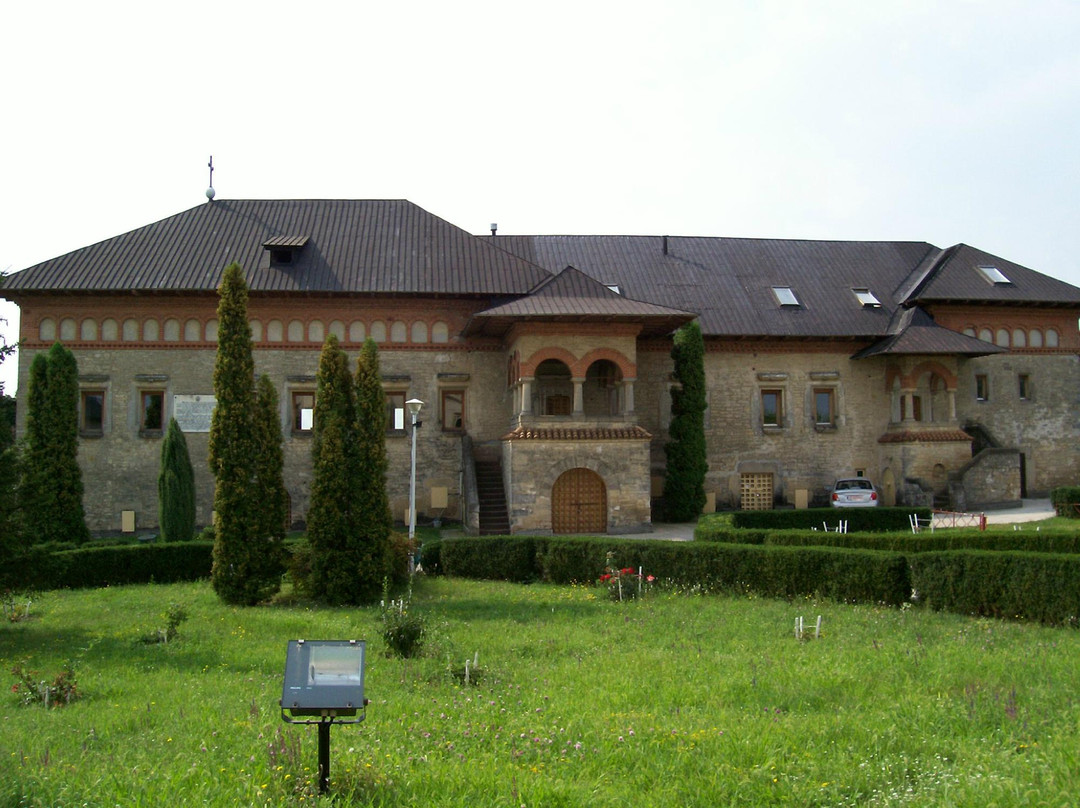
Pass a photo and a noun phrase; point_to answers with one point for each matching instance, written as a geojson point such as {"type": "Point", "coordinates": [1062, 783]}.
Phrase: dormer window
{"type": "Point", "coordinates": [784, 296]}
{"type": "Point", "coordinates": [994, 275]}
{"type": "Point", "coordinates": [283, 248]}
{"type": "Point", "coordinates": [867, 299]}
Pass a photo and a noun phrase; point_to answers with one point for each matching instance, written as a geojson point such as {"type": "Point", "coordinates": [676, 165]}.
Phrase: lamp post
{"type": "Point", "coordinates": [414, 405]}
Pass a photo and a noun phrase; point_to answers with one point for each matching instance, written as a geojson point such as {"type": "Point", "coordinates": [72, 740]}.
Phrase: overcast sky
{"type": "Point", "coordinates": [930, 121]}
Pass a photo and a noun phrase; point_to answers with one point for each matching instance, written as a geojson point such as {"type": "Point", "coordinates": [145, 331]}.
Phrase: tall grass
{"type": "Point", "coordinates": [578, 700]}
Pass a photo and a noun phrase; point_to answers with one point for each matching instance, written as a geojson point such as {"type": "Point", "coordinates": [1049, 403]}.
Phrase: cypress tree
{"type": "Point", "coordinates": [331, 524]}
{"type": "Point", "coordinates": [373, 518]}
{"type": "Point", "coordinates": [52, 489]}
{"type": "Point", "coordinates": [239, 575]}
{"type": "Point", "coordinates": [684, 486]}
{"type": "Point", "coordinates": [270, 477]}
{"type": "Point", "coordinates": [176, 487]}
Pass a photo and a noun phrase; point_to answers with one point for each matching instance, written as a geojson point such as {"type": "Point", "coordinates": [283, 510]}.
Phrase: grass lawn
{"type": "Point", "coordinates": [677, 700]}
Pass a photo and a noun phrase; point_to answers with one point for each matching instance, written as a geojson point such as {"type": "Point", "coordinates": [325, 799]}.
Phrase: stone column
{"type": "Point", "coordinates": [579, 398]}
{"type": "Point", "coordinates": [628, 396]}
{"type": "Point", "coordinates": [526, 396]}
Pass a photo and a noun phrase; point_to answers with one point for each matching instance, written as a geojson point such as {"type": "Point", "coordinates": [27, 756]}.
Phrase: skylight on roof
{"type": "Point", "coordinates": [866, 298]}
{"type": "Point", "coordinates": [614, 287]}
{"type": "Point", "coordinates": [994, 276]}
{"type": "Point", "coordinates": [784, 296]}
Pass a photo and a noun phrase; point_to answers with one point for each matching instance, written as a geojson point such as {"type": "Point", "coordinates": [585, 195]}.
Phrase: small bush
{"type": "Point", "coordinates": [173, 617]}
{"type": "Point", "coordinates": [1064, 500]}
{"type": "Point", "coordinates": [63, 689]}
{"type": "Point", "coordinates": [402, 629]}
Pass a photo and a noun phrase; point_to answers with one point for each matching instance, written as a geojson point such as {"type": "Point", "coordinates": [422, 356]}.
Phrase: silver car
{"type": "Point", "coordinates": [854, 492]}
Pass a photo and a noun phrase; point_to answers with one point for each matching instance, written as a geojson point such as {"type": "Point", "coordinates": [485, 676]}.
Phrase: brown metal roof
{"type": "Point", "coordinates": [729, 281]}
{"type": "Point", "coordinates": [955, 278]}
{"type": "Point", "coordinates": [915, 332]}
{"type": "Point", "coordinates": [373, 246]}
{"type": "Point", "coordinates": [572, 296]}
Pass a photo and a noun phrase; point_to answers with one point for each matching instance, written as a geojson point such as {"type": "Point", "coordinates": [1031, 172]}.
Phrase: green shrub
{"type": "Point", "coordinates": [113, 566]}
{"type": "Point", "coordinates": [1033, 586]}
{"type": "Point", "coordinates": [1065, 499]}
{"type": "Point", "coordinates": [1043, 541]}
{"type": "Point", "coordinates": [500, 558]}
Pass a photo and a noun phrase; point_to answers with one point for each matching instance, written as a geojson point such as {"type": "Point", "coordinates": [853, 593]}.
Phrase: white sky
{"type": "Point", "coordinates": [944, 121]}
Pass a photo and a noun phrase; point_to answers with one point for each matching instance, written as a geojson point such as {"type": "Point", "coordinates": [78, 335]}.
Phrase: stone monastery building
{"type": "Point", "coordinates": [946, 376]}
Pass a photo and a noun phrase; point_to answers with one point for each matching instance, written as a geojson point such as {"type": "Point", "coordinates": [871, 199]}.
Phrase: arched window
{"type": "Point", "coordinates": [256, 331]}
{"type": "Point", "coordinates": [398, 331]}
{"type": "Point", "coordinates": [600, 393]}
{"type": "Point", "coordinates": [296, 331]}
{"type": "Point", "coordinates": [440, 333]}
{"type": "Point", "coordinates": [1001, 339]}
{"type": "Point", "coordinates": [88, 329]}
{"type": "Point", "coordinates": [110, 330]}
{"type": "Point", "coordinates": [151, 330]}
{"type": "Point", "coordinates": [67, 329]}
{"type": "Point", "coordinates": [378, 331]}
{"type": "Point", "coordinates": [986, 335]}
{"type": "Point", "coordinates": [337, 328]}
{"type": "Point", "coordinates": [1019, 338]}
{"type": "Point", "coordinates": [419, 332]}
{"type": "Point", "coordinates": [172, 330]}
{"type": "Point", "coordinates": [131, 330]}
{"type": "Point", "coordinates": [357, 332]}
{"type": "Point", "coordinates": [1051, 338]}
{"type": "Point", "coordinates": [316, 331]}
{"type": "Point", "coordinates": [211, 330]}
{"type": "Point", "coordinates": [553, 392]}
{"type": "Point", "coordinates": [192, 330]}
{"type": "Point", "coordinates": [47, 330]}
{"type": "Point", "coordinates": [274, 331]}
{"type": "Point", "coordinates": [1036, 338]}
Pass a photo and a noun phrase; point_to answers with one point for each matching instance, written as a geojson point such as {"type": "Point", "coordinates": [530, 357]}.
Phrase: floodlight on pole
{"type": "Point", "coordinates": [414, 405]}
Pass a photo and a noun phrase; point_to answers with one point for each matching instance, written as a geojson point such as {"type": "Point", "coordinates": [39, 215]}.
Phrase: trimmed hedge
{"type": "Point", "coordinates": [1004, 585]}
{"type": "Point", "coordinates": [110, 566]}
{"type": "Point", "coordinates": [858, 519]}
{"type": "Point", "coordinates": [1042, 541]}
{"type": "Point", "coordinates": [1063, 499]}
{"type": "Point", "coordinates": [787, 572]}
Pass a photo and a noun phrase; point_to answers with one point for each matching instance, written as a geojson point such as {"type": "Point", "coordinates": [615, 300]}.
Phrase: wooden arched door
{"type": "Point", "coordinates": [579, 502]}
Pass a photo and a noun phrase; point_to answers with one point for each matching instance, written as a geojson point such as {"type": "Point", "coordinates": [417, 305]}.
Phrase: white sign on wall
{"type": "Point", "coordinates": [193, 413]}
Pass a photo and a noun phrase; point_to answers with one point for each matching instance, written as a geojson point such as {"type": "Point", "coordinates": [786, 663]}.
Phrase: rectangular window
{"type": "Point", "coordinates": [92, 417]}
{"type": "Point", "coordinates": [772, 407]}
{"type": "Point", "coordinates": [395, 412]}
{"type": "Point", "coordinates": [982, 387]}
{"type": "Point", "coordinates": [303, 411]}
{"type": "Point", "coordinates": [453, 410]}
{"type": "Point", "coordinates": [824, 407]}
{"type": "Point", "coordinates": [1025, 386]}
{"type": "Point", "coordinates": [151, 410]}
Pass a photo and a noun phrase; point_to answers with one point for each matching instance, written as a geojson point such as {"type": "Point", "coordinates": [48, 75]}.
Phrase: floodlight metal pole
{"type": "Point", "coordinates": [414, 405]}
{"type": "Point", "coordinates": [324, 756]}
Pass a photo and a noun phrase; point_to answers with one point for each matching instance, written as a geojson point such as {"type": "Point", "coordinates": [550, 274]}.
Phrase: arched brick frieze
{"type": "Point", "coordinates": [88, 330]}
{"type": "Point", "coordinates": [581, 460]}
{"type": "Point", "coordinates": [68, 329]}
{"type": "Point", "coordinates": [440, 332]}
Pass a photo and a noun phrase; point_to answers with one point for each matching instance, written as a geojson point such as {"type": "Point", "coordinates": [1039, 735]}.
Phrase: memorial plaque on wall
{"type": "Point", "coordinates": [193, 413]}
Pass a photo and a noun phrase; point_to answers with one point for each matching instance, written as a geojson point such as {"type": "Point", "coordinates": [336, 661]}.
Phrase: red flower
{"type": "Point", "coordinates": [605, 578]}
{"type": "Point", "coordinates": [626, 571]}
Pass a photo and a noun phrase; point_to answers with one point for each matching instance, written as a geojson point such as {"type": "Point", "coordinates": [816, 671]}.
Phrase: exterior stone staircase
{"type": "Point", "coordinates": [494, 517]}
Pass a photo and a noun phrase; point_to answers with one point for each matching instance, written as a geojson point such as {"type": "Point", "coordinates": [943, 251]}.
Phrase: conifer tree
{"type": "Point", "coordinates": [684, 485]}
{"type": "Point", "coordinates": [373, 518]}
{"type": "Point", "coordinates": [52, 489]}
{"type": "Point", "coordinates": [176, 487]}
{"type": "Point", "coordinates": [239, 574]}
{"type": "Point", "coordinates": [270, 475]}
{"type": "Point", "coordinates": [332, 530]}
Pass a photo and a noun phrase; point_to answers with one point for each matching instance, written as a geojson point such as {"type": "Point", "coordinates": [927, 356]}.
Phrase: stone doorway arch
{"type": "Point", "coordinates": [579, 502]}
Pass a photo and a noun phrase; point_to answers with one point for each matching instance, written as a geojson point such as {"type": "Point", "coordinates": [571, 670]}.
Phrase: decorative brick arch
{"type": "Point", "coordinates": [934, 369]}
{"type": "Point", "coordinates": [529, 366]}
{"type": "Point", "coordinates": [626, 367]}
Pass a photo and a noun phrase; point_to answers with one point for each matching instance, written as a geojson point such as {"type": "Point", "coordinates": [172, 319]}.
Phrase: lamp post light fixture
{"type": "Point", "coordinates": [414, 405]}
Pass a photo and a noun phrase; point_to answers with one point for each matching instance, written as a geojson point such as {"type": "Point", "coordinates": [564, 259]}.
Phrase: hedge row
{"type": "Point", "coordinates": [859, 519]}
{"type": "Point", "coordinates": [839, 573]}
{"type": "Point", "coordinates": [1065, 500]}
{"type": "Point", "coordinates": [110, 566]}
{"type": "Point", "coordinates": [1036, 586]}
{"type": "Point", "coordinates": [1042, 541]}
{"type": "Point", "coordinates": [1004, 585]}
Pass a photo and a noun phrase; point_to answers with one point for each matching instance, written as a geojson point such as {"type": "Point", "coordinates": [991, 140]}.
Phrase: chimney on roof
{"type": "Point", "coordinates": [494, 228]}
{"type": "Point", "coordinates": [665, 245]}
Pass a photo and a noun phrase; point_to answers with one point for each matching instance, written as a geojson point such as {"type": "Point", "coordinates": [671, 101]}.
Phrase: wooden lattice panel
{"type": "Point", "coordinates": [756, 491]}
